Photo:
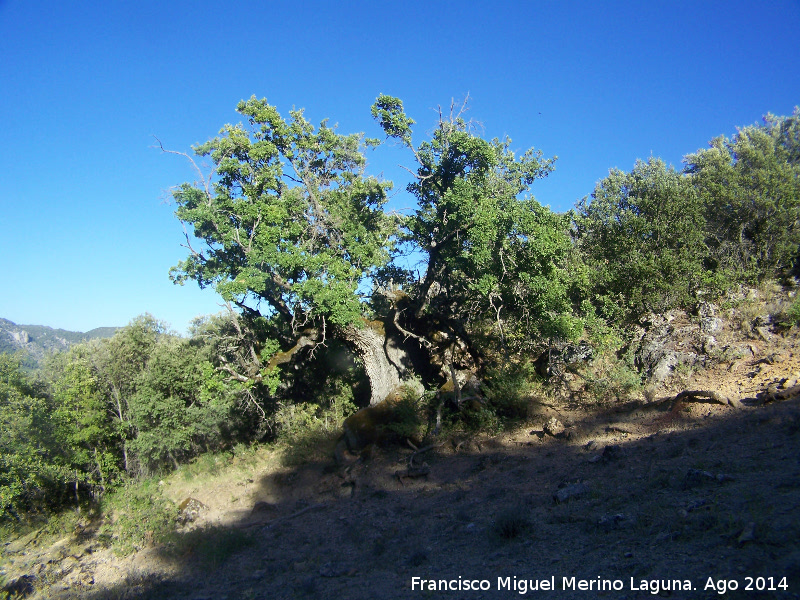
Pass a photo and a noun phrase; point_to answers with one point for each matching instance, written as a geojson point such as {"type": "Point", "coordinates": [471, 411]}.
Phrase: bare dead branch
{"type": "Point", "coordinates": [199, 172]}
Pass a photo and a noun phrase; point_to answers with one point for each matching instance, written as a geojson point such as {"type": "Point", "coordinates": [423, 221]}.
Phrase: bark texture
{"type": "Point", "coordinates": [369, 344]}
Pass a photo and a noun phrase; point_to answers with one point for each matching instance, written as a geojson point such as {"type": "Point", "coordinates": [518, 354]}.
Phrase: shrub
{"type": "Point", "coordinates": [141, 517]}
{"type": "Point", "coordinates": [641, 234]}
{"type": "Point", "coordinates": [512, 522]}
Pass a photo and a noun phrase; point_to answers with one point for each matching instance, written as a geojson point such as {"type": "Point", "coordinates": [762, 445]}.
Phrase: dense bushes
{"type": "Point", "coordinates": [653, 238]}
{"type": "Point", "coordinates": [33, 467]}
{"type": "Point", "coordinates": [642, 236]}
{"type": "Point", "coordinates": [750, 187]}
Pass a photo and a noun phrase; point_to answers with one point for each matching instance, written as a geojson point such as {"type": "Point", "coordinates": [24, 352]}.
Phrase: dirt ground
{"type": "Point", "coordinates": [693, 495]}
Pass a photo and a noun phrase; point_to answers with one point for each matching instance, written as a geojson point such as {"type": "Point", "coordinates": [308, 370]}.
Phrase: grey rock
{"type": "Point", "coordinates": [764, 333]}
{"type": "Point", "coordinates": [748, 533]}
{"type": "Point", "coordinates": [570, 492]}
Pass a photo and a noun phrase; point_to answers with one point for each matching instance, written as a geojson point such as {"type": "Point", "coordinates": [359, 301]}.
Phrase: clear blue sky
{"type": "Point", "coordinates": [88, 234]}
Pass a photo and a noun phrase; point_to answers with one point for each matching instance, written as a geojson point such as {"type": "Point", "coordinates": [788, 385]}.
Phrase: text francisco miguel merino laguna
{"type": "Point", "coordinates": [653, 586]}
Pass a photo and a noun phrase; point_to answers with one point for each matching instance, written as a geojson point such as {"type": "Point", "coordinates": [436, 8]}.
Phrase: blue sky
{"type": "Point", "coordinates": [88, 233]}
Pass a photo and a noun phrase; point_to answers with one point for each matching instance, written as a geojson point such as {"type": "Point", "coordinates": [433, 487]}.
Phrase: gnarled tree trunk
{"type": "Point", "coordinates": [369, 343]}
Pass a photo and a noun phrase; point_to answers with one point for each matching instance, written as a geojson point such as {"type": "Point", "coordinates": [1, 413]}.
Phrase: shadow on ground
{"type": "Point", "coordinates": [674, 493]}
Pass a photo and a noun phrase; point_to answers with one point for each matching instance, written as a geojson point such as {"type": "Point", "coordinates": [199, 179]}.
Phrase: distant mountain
{"type": "Point", "coordinates": [37, 340]}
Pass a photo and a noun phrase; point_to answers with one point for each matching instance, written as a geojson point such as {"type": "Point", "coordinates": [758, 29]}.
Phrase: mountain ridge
{"type": "Point", "coordinates": [38, 340]}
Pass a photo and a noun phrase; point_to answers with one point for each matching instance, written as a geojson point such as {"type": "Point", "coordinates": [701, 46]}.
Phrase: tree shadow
{"type": "Point", "coordinates": [685, 497]}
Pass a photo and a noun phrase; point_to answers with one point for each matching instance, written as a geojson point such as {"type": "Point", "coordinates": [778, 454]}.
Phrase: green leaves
{"type": "Point", "coordinates": [32, 464]}
{"type": "Point", "coordinates": [642, 235]}
{"type": "Point", "coordinates": [485, 246]}
{"type": "Point", "coordinates": [750, 187]}
{"type": "Point", "coordinates": [389, 113]}
{"type": "Point", "coordinates": [289, 220]}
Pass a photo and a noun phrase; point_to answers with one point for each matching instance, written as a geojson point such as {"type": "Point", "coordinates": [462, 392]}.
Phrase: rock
{"type": "Point", "coordinates": [612, 453]}
{"type": "Point", "coordinates": [570, 492]}
{"type": "Point", "coordinates": [189, 510]}
{"type": "Point", "coordinates": [664, 367]}
{"type": "Point", "coordinates": [262, 507]}
{"type": "Point", "coordinates": [617, 521]}
{"type": "Point", "coordinates": [710, 323]}
{"type": "Point", "coordinates": [696, 477]}
{"type": "Point", "coordinates": [748, 533]}
{"type": "Point", "coordinates": [553, 427]}
{"type": "Point", "coordinates": [696, 504]}
{"type": "Point", "coordinates": [764, 334]}
{"type": "Point", "coordinates": [554, 361]}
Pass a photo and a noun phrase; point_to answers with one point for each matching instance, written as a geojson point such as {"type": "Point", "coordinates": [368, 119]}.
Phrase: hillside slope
{"type": "Point", "coordinates": [37, 340]}
{"type": "Point", "coordinates": [667, 491]}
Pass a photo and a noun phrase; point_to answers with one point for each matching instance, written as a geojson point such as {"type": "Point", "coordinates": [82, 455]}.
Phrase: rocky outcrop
{"type": "Point", "coordinates": [666, 341]}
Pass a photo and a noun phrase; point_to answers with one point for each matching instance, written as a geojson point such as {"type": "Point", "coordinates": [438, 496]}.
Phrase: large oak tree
{"type": "Point", "coordinates": [290, 227]}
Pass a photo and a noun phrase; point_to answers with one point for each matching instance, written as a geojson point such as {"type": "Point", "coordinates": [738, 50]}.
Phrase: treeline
{"type": "Point", "coordinates": [505, 277]}
{"type": "Point", "coordinates": [139, 403]}
{"type": "Point", "coordinates": [651, 239]}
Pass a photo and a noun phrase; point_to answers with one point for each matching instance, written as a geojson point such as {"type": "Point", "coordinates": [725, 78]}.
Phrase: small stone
{"type": "Point", "coordinates": [262, 507]}
{"type": "Point", "coordinates": [570, 492]}
{"type": "Point", "coordinates": [554, 427]}
{"type": "Point", "coordinates": [764, 334]}
{"type": "Point", "coordinates": [696, 477]}
{"type": "Point", "coordinates": [748, 533]}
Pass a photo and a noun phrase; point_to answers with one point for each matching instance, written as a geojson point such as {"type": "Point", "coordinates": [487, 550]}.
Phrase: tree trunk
{"type": "Point", "coordinates": [368, 342]}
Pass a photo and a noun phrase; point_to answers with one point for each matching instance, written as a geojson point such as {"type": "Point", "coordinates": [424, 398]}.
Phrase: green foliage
{"type": "Point", "coordinates": [408, 420]}
{"type": "Point", "coordinates": [172, 412]}
{"type": "Point", "coordinates": [609, 378]}
{"type": "Point", "coordinates": [32, 464]}
{"type": "Point", "coordinates": [289, 218]}
{"type": "Point", "coordinates": [389, 113]}
{"type": "Point", "coordinates": [641, 235]}
{"type": "Point", "coordinates": [141, 517]}
{"type": "Point", "coordinates": [305, 428]}
{"type": "Point", "coordinates": [509, 388]}
{"type": "Point", "coordinates": [81, 414]}
{"type": "Point", "coordinates": [490, 255]}
{"type": "Point", "coordinates": [750, 188]}
{"type": "Point", "coordinates": [793, 312]}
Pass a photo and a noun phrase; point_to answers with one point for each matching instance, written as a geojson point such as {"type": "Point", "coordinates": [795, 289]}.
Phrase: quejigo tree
{"type": "Point", "coordinates": [289, 227]}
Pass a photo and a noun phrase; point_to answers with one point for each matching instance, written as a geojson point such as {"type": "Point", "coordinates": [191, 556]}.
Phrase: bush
{"type": "Point", "coordinates": [512, 523]}
{"type": "Point", "coordinates": [641, 235]}
{"type": "Point", "coordinates": [141, 517]}
{"type": "Point", "coordinates": [509, 389]}
{"type": "Point", "coordinates": [792, 315]}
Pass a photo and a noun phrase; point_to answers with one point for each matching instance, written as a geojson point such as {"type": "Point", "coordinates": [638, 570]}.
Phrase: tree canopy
{"type": "Point", "coordinates": [750, 186]}
{"type": "Point", "coordinates": [488, 251]}
{"type": "Point", "coordinates": [288, 219]}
